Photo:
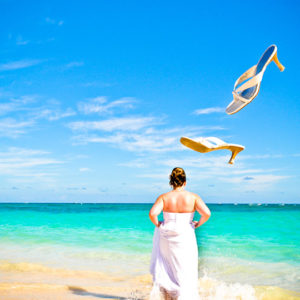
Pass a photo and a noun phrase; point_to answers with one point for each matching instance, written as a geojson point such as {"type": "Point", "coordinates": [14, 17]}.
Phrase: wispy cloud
{"type": "Point", "coordinates": [130, 133]}
{"type": "Point", "coordinates": [20, 162]}
{"type": "Point", "coordinates": [205, 170]}
{"type": "Point", "coordinates": [7, 107]}
{"type": "Point", "coordinates": [24, 112]}
{"type": "Point", "coordinates": [216, 165]}
{"type": "Point", "coordinates": [138, 135]}
{"type": "Point", "coordinates": [114, 124]}
{"type": "Point", "coordinates": [133, 142]}
{"type": "Point", "coordinates": [16, 104]}
{"type": "Point", "coordinates": [19, 64]}
{"type": "Point", "coordinates": [11, 128]}
{"type": "Point", "coordinates": [208, 110]}
{"type": "Point", "coordinates": [53, 114]}
{"type": "Point", "coordinates": [54, 22]}
{"type": "Point", "coordinates": [100, 105]}
{"type": "Point", "coordinates": [14, 151]}
{"type": "Point", "coordinates": [210, 168]}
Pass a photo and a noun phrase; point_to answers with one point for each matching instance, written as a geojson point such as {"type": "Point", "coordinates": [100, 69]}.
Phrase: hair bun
{"type": "Point", "coordinates": [177, 177]}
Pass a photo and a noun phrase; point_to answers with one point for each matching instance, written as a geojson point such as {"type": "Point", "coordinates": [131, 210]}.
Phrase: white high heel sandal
{"type": "Point", "coordinates": [209, 144]}
{"type": "Point", "coordinates": [245, 93]}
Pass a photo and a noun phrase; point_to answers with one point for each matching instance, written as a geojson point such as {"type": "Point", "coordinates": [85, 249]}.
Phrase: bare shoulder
{"type": "Point", "coordinates": [166, 195]}
{"type": "Point", "coordinates": [194, 196]}
{"type": "Point", "coordinates": [162, 196]}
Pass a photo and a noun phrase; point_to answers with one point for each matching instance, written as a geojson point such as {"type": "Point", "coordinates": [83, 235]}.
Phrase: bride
{"type": "Point", "coordinates": [174, 261]}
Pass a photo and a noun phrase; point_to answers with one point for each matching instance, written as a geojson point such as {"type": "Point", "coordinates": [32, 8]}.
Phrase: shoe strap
{"type": "Point", "coordinates": [249, 73]}
{"type": "Point", "coordinates": [256, 78]}
{"type": "Point", "coordinates": [239, 97]}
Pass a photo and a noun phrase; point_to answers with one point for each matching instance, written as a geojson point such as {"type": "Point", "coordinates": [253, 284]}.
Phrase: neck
{"type": "Point", "coordinates": [181, 188]}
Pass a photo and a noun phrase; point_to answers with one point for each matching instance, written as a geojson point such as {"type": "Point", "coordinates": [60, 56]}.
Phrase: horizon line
{"type": "Point", "coordinates": [218, 203]}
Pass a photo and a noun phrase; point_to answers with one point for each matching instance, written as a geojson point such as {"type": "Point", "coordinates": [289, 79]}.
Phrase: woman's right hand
{"type": "Point", "coordinates": [196, 224]}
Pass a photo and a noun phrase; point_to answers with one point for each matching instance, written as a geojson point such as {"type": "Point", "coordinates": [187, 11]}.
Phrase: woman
{"type": "Point", "coordinates": [174, 262]}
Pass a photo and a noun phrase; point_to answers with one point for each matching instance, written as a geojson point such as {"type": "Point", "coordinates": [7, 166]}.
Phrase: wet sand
{"type": "Point", "coordinates": [26, 281]}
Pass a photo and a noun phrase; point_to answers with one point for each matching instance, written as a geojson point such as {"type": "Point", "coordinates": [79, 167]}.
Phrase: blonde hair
{"type": "Point", "coordinates": [177, 177]}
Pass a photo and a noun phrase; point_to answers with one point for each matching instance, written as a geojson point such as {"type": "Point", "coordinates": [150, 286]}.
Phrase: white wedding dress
{"type": "Point", "coordinates": [174, 261]}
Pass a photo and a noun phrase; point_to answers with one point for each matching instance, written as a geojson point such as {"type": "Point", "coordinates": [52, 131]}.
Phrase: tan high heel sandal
{"type": "Point", "coordinates": [209, 144]}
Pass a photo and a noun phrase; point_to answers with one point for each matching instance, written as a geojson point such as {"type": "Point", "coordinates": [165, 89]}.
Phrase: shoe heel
{"type": "Point", "coordinates": [234, 153]}
{"type": "Point", "coordinates": [276, 61]}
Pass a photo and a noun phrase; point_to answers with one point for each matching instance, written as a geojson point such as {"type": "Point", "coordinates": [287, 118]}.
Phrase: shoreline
{"type": "Point", "coordinates": [35, 281]}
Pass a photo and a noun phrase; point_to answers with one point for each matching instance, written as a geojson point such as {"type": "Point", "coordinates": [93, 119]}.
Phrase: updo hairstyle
{"type": "Point", "coordinates": [177, 177]}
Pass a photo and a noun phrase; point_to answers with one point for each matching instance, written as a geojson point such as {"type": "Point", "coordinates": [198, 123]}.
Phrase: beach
{"type": "Point", "coordinates": [102, 251]}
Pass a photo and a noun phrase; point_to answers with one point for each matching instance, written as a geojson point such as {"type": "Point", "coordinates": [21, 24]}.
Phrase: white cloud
{"type": "Point", "coordinates": [26, 113]}
{"type": "Point", "coordinates": [25, 99]}
{"type": "Point", "coordinates": [19, 162]}
{"type": "Point", "coordinates": [135, 138]}
{"type": "Point", "coordinates": [99, 105]}
{"type": "Point", "coordinates": [208, 168]}
{"type": "Point", "coordinates": [19, 64]}
{"type": "Point", "coordinates": [16, 104]}
{"type": "Point", "coordinates": [209, 110]}
{"type": "Point", "coordinates": [7, 107]}
{"type": "Point", "coordinates": [114, 124]}
{"type": "Point", "coordinates": [136, 134]}
{"type": "Point", "coordinates": [14, 151]}
{"type": "Point", "coordinates": [138, 142]}
{"type": "Point", "coordinates": [53, 115]}
{"type": "Point", "coordinates": [11, 128]}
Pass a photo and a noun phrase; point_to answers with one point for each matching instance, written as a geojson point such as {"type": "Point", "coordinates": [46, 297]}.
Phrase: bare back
{"type": "Point", "coordinates": [179, 201]}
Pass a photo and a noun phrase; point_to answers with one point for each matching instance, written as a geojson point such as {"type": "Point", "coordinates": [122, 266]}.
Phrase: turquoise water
{"type": "Point", "coordinates": [240, 243]}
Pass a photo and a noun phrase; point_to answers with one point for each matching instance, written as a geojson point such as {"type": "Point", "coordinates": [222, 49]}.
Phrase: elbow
{"type": "Point", "coordinates": [208, 214]}
{"type": "Point", "coordinates": [151, 214]}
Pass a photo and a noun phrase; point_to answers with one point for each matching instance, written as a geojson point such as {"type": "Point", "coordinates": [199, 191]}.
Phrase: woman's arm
{"type": "Point", "coordinates": [203, 210]}
{"type": "Point", "coordinates": [156, 210]}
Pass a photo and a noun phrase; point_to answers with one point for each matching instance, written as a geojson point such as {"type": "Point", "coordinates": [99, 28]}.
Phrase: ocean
{"type": "Point", "coordinates": [242, 248]}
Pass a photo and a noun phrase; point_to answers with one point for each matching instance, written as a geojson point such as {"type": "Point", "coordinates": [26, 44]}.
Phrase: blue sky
{"type": "Point", "coordinates": [95, 95]}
